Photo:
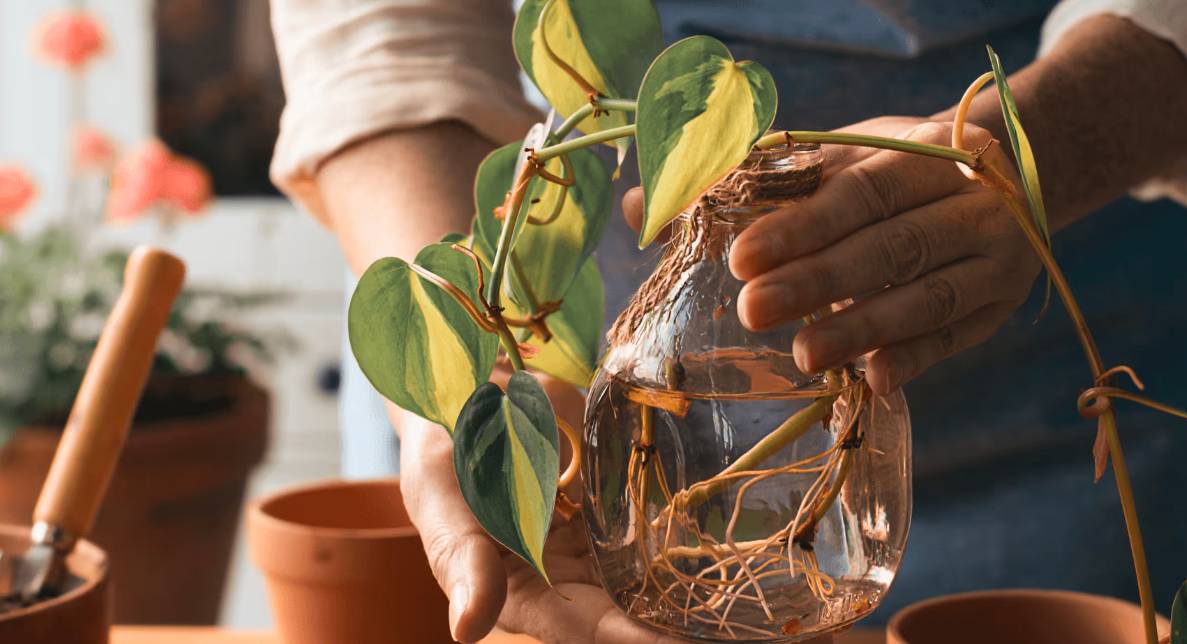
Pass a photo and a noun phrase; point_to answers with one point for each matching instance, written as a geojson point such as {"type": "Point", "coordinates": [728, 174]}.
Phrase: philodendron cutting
{"type": "Point", "coordinates": [427, 335]}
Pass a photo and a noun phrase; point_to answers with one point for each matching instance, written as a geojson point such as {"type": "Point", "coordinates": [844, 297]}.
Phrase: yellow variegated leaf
{"type": "Point", "coordinates": [699, 114]}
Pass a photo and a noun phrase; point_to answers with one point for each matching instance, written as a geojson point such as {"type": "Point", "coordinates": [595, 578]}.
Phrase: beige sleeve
{"type": "Point", "coordinates": [1165, 19]}
{"type": "Point", "coordinates": [356, 68]}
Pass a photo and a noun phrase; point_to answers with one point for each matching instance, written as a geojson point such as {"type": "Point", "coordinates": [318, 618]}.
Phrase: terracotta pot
{"type": "Point", "coordinates": [168, 521]}
{"type": "Point", "coordinates": [80, 616]}
{"type": "Point", "coordinates": [1020, 617]}
{"type": "Point", "coordinates": [344, 565]}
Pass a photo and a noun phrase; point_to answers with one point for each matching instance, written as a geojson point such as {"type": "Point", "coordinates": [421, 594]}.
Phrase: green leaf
{"type": "Point", "coordinates": [413, 341]}
{"type": "Point", "coordinates": [590, 36]}
{"type": "Point", "coordinates": [1025, 157]}
{"type": "Point", "coordinates": [699, 115]}
{"type": "Point", "coordinates": [505, 454]}
{"type": "Point", "coordinates": [1179, 616]}
{"type": "Point", "coordinates": [456, 238]}
{"type": "Point", "coordinates": [551, 254]}
{"type": "Point", "coordinates": [572, 353]}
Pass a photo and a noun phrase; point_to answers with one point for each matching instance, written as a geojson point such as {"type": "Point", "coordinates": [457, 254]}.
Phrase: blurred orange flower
{"type": "Point", "coordinates": [69, 38]}
{"type": "Point", "coordinates": [17, 191]}
{"type": "Point", "coordinates": [93, 150]}
{"type": "Point", "coordinates": [152, 175]}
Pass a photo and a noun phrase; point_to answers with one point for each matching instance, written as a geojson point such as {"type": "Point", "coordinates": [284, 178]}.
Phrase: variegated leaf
{"type": "Point", "coordinates": [550, 254]}
{"type": "Point", "coordinates": [590, 36]}
{"type": "Point", "coordinates": [1179, 616]}
{"type": "Point", "coordinates": [1024, 156]}
{"type": "Point", "coordinates": [699, 114]}
{"type": "Point", "coordinates": [572, 353]}
{"type": "Point", "coordinates": [505, 454]}
{"type": "Point", "coordinates": [417, 346]}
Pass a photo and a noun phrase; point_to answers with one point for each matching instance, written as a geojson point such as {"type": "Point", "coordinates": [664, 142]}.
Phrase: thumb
{"type": "Point", "coordinates": [632, 211]}
{"type": "Point", "coordinates": [463, 557]}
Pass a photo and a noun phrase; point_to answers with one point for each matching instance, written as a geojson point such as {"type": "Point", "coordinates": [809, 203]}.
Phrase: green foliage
{"type": "Point", "coordinates": [572, 353]}
{"type": "Point", "coordinates": [1025, 158]}
{"type": "Point", "coordinates": [550, 254]}
{"type": "Point", "coordinates": [699, 114]}
{"type": "Point", "coordinates": [591, 37]}
{"type": "Point", "coordinates": [1179, 616]}
{"type": "Point", "coordinates": [506, 457]}
{"type": "Point", "coordinates": [54, 301]}
{"type": "Point", "coordinates": [413, 341]}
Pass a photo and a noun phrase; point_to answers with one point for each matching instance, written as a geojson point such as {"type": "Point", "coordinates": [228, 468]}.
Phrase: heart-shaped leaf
{"type": "Point", "coordinates": [589, 36]}
{"type": "Point", "coordinates": [572, 353]}
{"type": "Point", "coordinates": [699, 115]}
{"type": "Point", "coordinates": [414, 342]}
{"type": "Point", "coordinates": [505, 454]}
{"type": "Point", "coordinates": [550, 254]}
{"type": "Point", "coordinates": [1025, 158]}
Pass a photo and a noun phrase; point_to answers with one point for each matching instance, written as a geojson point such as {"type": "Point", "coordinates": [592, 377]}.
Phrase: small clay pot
{"type": "Point", "coordinates": [83, 615]}
{"type": "Point", "coordinates": [1020, 617]}
{"type": "Point", "coordinates": [344, 565]}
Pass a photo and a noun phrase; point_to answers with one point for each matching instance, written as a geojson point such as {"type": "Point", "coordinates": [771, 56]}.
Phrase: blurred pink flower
{"type": "Point", "coordinates": [69, 38]}
{"type": "Point", "coordinates": [93, 150]}
{"type": "Point", "coordinates": [153, 175]}
{"type": "Point", "coordinates": [17, 191]}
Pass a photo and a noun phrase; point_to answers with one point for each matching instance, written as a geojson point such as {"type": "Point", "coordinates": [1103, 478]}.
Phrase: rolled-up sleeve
{"type": "Point", "coordinates": [356, 68]}
{"type": "Point", "coordinates": [1165, 19]}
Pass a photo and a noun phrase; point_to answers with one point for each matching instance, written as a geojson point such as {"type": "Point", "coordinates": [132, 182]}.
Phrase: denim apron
{"type": "Point", "coordinates": [1003, 462]}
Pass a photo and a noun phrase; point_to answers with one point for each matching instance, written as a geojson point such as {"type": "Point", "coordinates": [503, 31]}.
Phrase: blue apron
{"type": "Point", "coordinates": [1003, 463]}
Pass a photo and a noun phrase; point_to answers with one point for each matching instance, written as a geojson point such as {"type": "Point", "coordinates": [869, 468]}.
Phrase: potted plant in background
{"type": "Point", "coordinates": [171, 512]}
{"type": "Point", "coordinates": [679, 539]}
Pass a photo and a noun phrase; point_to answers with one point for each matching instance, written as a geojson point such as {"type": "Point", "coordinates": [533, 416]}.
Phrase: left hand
{"type": "Point", "coordinates": [943, 252]}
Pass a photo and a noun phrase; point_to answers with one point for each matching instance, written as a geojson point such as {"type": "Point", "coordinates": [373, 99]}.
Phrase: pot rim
{"type": "Point", "coordinates": [892, 627]}
{"type": "Point", "coordinates": [257, 512]}
{"type": "Point", "coordinates": [84, 549]}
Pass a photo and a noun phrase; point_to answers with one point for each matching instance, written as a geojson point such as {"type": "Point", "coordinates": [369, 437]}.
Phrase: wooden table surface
{"type": "Point", "coordinates": [177, 635]}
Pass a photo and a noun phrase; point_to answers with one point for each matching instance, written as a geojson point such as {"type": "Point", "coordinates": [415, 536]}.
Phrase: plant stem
{"type": "Point", "coordinates": [616, 104]}
{"type": "Point", "coordinates": [1108, 419]}
{"type": "Point", "coordinates": [962, 110]}
{"type": "Point", "coordinates": [784, 435]}
{"type": "Point", "coordinates": [585, 141]}
{"type": "Point", "coordinates": [862, 140]}
{"type": "Point", "coordinates": [601, 103]}
{"type": "Point", "coordinates": [512, 206]}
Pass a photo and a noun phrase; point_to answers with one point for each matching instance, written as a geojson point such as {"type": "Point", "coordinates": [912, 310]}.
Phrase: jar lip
{"type": "Point", "coordinates": [782, 151]}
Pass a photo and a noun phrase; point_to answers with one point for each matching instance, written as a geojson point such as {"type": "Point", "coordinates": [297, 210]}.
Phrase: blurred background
{"type": "Point", "coordinates": [201, 77]}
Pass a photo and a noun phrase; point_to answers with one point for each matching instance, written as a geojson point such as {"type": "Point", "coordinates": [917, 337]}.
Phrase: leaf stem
{"type": "Point", "coordinates": [962, 110]}
{"type": "Point", "coordinates": [863, 140]}
{"type": "Point", "coordinates": [1108, 419]}
{"type": "Point", "coordinates": [584, 142]}
{"type": "Point", "coordinates": [601, 103]}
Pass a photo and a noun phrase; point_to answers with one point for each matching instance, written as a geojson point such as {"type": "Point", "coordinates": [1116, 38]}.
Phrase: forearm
{"type": "Point", "coordinates": [394, 194]}
{"type": "Point", "coordinates": [1103, 112]}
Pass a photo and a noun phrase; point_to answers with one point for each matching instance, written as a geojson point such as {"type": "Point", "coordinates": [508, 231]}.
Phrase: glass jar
{"type": "Point", "coordinates": [727, 494]}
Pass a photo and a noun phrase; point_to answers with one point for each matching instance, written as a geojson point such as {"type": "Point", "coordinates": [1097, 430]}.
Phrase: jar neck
{"type": "Point", "coordinates": [763, 182]}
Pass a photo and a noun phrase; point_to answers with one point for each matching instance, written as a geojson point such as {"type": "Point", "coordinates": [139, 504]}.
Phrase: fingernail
{"type": "Point", "coordinates": [827, 347]}
{"type": "Point", "coordinates": [459, 598]}
{"type": "Point", "coordinates": [767, 305]}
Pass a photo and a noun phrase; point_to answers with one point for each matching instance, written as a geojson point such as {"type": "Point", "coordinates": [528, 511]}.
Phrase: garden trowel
{"type": "Point", "coordinates": [96, 429]}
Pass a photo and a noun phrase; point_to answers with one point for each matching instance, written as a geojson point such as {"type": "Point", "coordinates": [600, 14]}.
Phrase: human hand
{"type": "Point", "coordinates": [951, 260]}
{"type": "Point", "coordinates": [485, 582]}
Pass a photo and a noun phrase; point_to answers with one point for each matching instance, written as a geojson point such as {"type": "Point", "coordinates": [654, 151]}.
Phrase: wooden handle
{"type": "Point", "coordinates": [110, 391]}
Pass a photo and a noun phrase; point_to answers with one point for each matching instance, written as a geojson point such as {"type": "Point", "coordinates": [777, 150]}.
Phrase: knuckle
{"type": "Point", "coordinates": [929, 131]}
{"type": "Point", "coordinates": [939, 301]}
{"type": "Point", "coordinates": [905, 251]}
{"type": "Point", "coordinates": [879, 193]}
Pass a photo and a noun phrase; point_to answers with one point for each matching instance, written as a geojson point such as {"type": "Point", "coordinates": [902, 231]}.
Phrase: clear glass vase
{"type": "Point", "coordinates": [728, 496]}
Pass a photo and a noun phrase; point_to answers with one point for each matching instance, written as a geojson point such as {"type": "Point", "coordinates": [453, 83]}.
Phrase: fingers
{"type": "Point", "coordinates": [893, 252]}
{"type": "Point", "coordinates": [875, 189]}
{"type": "Point", "coordinates": [891, 367]}
{"type": "Point", "coordinates": [632, 210]}
{"type": "Point", "coordinates": [935, 302]}
{"type": "Point", "coordinates": [464, 559]}
{"type": "Point", "coordinates": [590, 618]}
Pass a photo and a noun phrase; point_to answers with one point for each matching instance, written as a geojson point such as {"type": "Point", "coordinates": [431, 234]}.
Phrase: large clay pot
{"type": "Point", "coordinates": [344, 565]}
{"type": "Point", "coordinates": [1020, 617]}
{"type": "Point", "coordinates": [168, 521]}
{"type": "Point", "coordinates": [80, 616]}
